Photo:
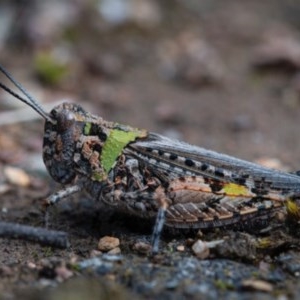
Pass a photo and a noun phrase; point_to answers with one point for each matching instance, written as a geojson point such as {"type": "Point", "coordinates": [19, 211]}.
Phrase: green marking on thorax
{"type": "Point", "coordinates": [114, 145]}
{"type": "Point", "coordinates": [87, 128]}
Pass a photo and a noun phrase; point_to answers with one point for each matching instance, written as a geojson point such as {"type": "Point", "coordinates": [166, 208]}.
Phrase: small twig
{"type": "Point", "coordinates": [39, 235]}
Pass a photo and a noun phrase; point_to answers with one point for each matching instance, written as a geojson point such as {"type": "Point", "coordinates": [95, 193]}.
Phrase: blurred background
{"type": "Point", "coordinates": [219, 74]}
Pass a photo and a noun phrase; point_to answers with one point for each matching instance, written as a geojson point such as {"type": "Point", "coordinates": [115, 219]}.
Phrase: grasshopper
{"type": "Point", "coordinates": [145, 173]}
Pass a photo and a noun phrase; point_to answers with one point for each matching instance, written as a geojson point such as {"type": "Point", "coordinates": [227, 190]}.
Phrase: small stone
{"type": "Point", "coordinates": [108, 243]}
{"type": "Point", "coordinates": [200, 249]}
{"type": "Point", "coordinates": [199, 233]}
{"type": "Point", "coordinates": [258, 285]}
{"type": "Point", "coordinates": [17, 176]}
{"type": "Point", "coordinates": [180, 248]}
{"type": "Point", "coordinates": [31, 265]}
{"type": "Point", "coordinates": [142, 247]}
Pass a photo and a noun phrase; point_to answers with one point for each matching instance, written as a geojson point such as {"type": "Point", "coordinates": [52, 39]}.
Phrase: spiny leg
{"type": "Point", "coordinates": [59, 195]}
{"type": "Point", "coordinates": [63, 193]}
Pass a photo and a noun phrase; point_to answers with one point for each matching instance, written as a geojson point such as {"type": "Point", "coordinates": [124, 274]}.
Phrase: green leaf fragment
{"type": "Point", "coordinates": [114, 145]}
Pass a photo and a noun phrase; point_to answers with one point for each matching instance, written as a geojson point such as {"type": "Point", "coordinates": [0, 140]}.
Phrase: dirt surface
{"type": "Point", "coordinates": [223, 75]}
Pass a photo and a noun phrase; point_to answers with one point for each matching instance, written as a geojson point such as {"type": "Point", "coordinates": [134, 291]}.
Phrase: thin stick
{"type": "Point", "coordinates": [58, 239]}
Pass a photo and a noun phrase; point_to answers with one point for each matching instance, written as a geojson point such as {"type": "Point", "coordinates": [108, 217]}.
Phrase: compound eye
{"type": "Point", "coordinates": [65, 120]}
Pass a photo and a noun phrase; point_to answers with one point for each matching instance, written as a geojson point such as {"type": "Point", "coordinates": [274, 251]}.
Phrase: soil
{"type": "Point", "coordinates": [223, 75]}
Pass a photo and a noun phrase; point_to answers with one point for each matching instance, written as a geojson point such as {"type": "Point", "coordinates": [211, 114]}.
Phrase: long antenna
{"type": "Point", "coordinates": [30, 99]}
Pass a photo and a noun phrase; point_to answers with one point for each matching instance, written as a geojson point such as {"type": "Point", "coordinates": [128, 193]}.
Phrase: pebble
{"type": "Point", "coordinates": [180, 248]}
{"type": "Point", "coordinates": [258, 285]}
{"type": "Point", "coordinates": [17, 176]}
{"type": "Point", "coordinates": [142, 247]}
{"type": "Point", "coordinates": [200, 249]}
{"type": "Point", "coordinates": [31, 265]}
{"type": "Point", "coordinates": [108, 243]}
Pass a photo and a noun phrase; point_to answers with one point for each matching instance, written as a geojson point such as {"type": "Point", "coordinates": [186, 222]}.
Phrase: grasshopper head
{"type": "Point", "coordinates": [73, 138]}
{"type": "Point", "coordinates": [79, 143]}
{"type": "Point", "coordinates": [60, 141]}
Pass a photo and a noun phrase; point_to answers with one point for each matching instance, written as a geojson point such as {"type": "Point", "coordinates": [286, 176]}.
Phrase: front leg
{"type": "Point", "coordinates": [63, 193]}
{"type": "Point", "coordinates": [59, 195]}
